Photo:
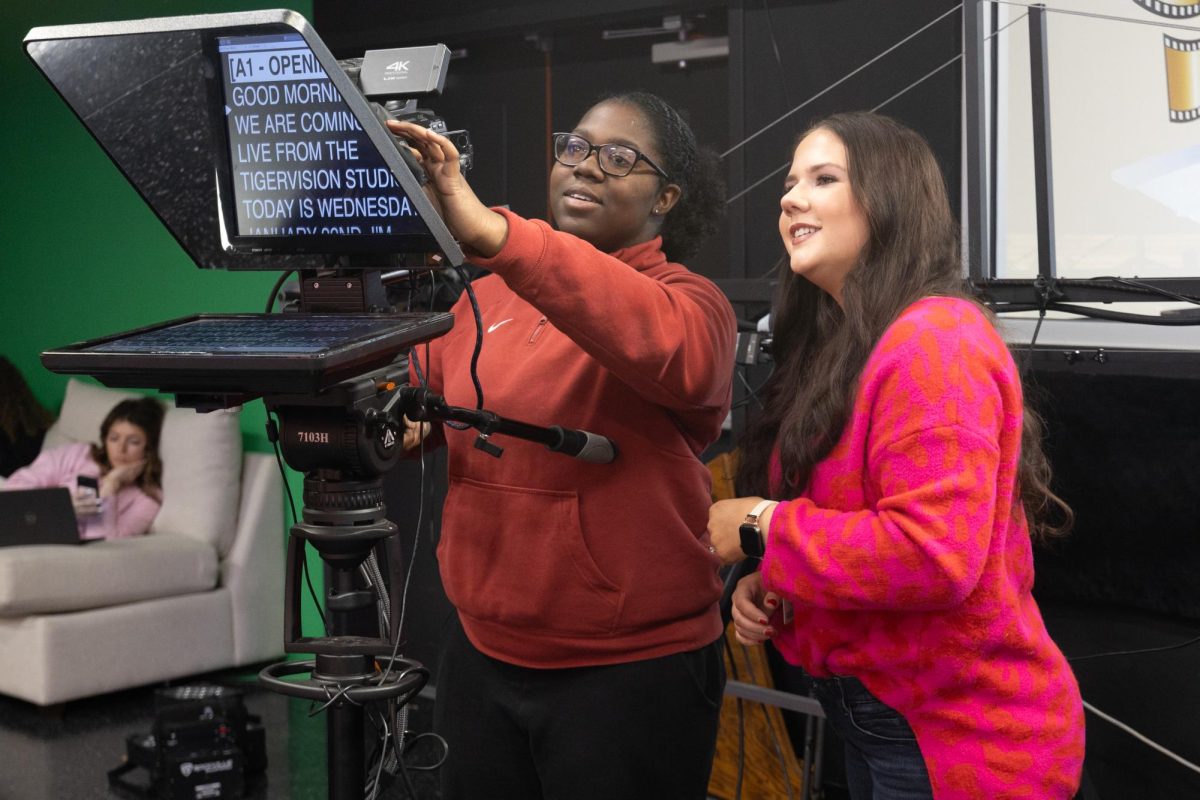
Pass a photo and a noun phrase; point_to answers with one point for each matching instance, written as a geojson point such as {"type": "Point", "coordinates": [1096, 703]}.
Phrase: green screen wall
{"type": "Point", "coordinates": [83, 256]}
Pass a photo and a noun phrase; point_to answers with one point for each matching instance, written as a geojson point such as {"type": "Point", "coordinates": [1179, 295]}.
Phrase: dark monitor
{"type": "Point", "coordinates": [257, 152]}
{"type": "Point", "coordinates": [245, 137]}
{"type": "Point", "coordinates": [248, 354]}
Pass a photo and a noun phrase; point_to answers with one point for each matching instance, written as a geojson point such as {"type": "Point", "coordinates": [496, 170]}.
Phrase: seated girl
{"type": "Point", "coordinates": [124, 467]}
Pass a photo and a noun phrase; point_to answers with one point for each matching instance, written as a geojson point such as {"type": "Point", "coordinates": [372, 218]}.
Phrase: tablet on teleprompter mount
{"type": "Point", "coordinates": [248, 354]}
{"type": "Point", "coordinates": [257, 152]}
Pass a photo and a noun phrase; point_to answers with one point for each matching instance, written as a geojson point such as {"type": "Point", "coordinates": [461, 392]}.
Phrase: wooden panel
{"type": "Point", "coordinates": [768, 761]}
{"type": "Point", "coordinates": [752, 738]}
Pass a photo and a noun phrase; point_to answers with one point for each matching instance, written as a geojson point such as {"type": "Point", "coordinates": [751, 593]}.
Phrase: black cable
{"type": "Point", "coordinates": [1121, 316]}
{"type": "Point", "coordinates": [408, 575]}
{"type": "Point", "coordinates": [377, 757]}
{"type": "Point", "coordinates": [412, 557]}
{"type": "Point", "coordinates": [775, 740]}
{"type": "Point", "coordinates": [1110, 654]}
{"type": "Point", "coordinates": [1043, 293]}
{"type": "Point", "coordinates": [397, 750]}
{"type": "Point", "coordinates": [273, 438]}
{"type": "Point", "coordinates": [741, 724]}
{"type": "Point", "coordinates": [404, 777]}
{"type": "Point", "coordinates": [1036, 329]}
{"type": "Point", "coordinates": [415, 362]}
{"type": "Point", "coordinates": [1115, 283]}
{"type": "Point", "coordinates": [275, 289]}
{"type": "Point", "coordinates": [1120, 285]}
{"type": "Point", "coordinates": [393, 704]}
{"type": "Point", "coordinates": [404, 596]}
{"type": "Point", "coordinates": [1098, 313]}
{"type": "Point", "coordinates": [462, 275]}
{"type": "Point", "coordinates": [332, 697]}
{"type": "Point", "coordinates": [753, 392]}
{"type": "Point", "coordinates": [1148, 288]}
{"type": "Point", "coordinates": [783, 84]}
{"type": "Point", "coordinates": [439, 762]}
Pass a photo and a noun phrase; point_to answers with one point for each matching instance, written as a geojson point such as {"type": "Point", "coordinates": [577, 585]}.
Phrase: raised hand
{"type": "Point", "coordinates": [471, 222]}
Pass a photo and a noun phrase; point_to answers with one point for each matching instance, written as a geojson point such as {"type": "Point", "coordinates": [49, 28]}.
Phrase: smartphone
{"type": "Point", "coordinates": [88, 482]}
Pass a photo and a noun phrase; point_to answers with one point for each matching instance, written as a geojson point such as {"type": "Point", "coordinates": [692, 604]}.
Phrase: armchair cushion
{"type": "Point", "coordinates": [56, 578]}
{"type": "Point", "coordinates": [201, 455]}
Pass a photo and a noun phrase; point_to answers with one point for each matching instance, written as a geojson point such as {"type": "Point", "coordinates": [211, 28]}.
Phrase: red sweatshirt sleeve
{"type": "Point", "coordinates": [670, 339]}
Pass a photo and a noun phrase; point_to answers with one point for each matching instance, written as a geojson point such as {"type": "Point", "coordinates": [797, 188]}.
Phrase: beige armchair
{"type": "Point", "coordinates": [202, 591]}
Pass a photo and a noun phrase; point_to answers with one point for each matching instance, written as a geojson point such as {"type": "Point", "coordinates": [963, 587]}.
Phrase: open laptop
{"type": "Point", "coordinates": [37, 516]}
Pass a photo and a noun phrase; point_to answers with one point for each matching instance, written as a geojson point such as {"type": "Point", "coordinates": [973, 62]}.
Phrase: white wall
{"type": "Point", "coordinates": [1116, 153]}
{"type": "Point", "coordinates": [1126, 178]}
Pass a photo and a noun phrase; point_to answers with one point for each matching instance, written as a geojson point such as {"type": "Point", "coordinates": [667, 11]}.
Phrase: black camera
{"type": "Point", "coordinates": [383, 76]}
{"type": "Point", "coordinates": [203, 746]}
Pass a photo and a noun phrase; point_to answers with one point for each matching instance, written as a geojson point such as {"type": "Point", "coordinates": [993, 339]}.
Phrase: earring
{"type": "Point", "coordinates": [657, 210]}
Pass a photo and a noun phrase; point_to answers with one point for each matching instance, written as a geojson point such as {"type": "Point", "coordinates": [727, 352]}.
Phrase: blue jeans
{"type": "Point", "coordinates": [883, 761]}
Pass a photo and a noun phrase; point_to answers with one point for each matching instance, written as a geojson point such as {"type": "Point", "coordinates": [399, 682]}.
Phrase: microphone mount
{"type": "Point", "coordinates": [421, 405]}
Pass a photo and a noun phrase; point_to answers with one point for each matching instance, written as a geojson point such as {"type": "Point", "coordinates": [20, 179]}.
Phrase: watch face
{"type": "Point", "coordinates": [752, 543]}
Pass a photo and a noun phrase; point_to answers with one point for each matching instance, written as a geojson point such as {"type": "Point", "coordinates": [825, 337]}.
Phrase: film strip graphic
{"type": "Point", "coordinates": [1180, 9]}
{"type": "Point", "coordinates": [1183, 78]}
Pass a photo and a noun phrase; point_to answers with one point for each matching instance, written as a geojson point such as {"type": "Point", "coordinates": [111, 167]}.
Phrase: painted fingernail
{"type": "Point", "coordinates": [762, 621]}
{"type": "Point", "coordinates": [772, 602]}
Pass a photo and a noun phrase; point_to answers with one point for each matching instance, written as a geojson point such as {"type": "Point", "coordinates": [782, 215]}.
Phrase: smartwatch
{"type": "Point", "coordinates": [753, 545]}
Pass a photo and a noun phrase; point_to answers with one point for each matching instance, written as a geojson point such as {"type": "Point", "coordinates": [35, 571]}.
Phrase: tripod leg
{"type": "Point", "coordinates": [346, 751]}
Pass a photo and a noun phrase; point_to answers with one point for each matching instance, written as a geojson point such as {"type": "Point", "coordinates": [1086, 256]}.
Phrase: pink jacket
{"type": "Point", "coordinates": [130, 514]}
{"type": "Point", "coordinates": [909, 565]}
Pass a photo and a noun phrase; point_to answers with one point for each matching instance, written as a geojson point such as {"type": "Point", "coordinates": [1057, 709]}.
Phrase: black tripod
{"type": "Point", "coordinates": [344, 440]}
{"type": "Point", "coordinates": [344, 519]}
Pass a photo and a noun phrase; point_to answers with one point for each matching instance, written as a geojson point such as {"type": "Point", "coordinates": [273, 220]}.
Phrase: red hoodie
{"type": "Point", "coordinates": [552, 561]}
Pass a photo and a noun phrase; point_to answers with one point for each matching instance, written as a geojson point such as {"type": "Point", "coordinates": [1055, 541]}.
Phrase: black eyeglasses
{"type": "Point", "coordinates": [618, 160]}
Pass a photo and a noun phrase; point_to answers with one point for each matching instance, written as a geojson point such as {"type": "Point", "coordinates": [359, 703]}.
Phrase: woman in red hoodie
{"type": "Point", "coordinates": [587, 661]}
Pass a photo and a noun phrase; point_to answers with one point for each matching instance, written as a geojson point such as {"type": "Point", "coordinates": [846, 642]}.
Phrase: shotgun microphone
{"type": "Point", "coordinates": [590, 447]}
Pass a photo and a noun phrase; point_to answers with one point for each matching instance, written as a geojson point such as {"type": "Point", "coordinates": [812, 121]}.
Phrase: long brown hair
{"type": "Point", "coordinates": [147, 413]}
{"type": "Point", "coordinates": [820, 348]}
{"type": "Point", "coordinates": [21, 414]}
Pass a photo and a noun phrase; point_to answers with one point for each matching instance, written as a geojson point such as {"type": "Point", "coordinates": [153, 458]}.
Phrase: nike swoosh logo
{"type": "Point", "coordinates": [495, 325]}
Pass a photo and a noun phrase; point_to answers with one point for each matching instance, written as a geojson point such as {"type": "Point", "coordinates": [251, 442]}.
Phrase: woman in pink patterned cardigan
{"type": "Point", "coordinates": [904, 476]}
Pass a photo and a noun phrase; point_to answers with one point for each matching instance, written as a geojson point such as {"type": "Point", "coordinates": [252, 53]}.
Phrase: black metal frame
{"type": "Point", "coordinates": [243, 252]}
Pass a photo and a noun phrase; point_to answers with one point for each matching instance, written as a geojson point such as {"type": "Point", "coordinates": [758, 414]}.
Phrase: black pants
{"type": "Point", "coordinates": [643, 729]}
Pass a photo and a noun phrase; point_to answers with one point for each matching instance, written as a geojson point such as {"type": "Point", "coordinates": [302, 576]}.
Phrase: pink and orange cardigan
{"type": "Point", "coordinates": [908, 563]}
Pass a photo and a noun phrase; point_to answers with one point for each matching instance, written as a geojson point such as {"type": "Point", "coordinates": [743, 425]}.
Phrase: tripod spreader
{"type": "Point", "coordinates": [420, 404]}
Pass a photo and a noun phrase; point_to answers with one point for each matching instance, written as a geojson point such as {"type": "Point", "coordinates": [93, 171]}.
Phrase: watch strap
{"type": "Point", "coordinates": [756, 512]}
